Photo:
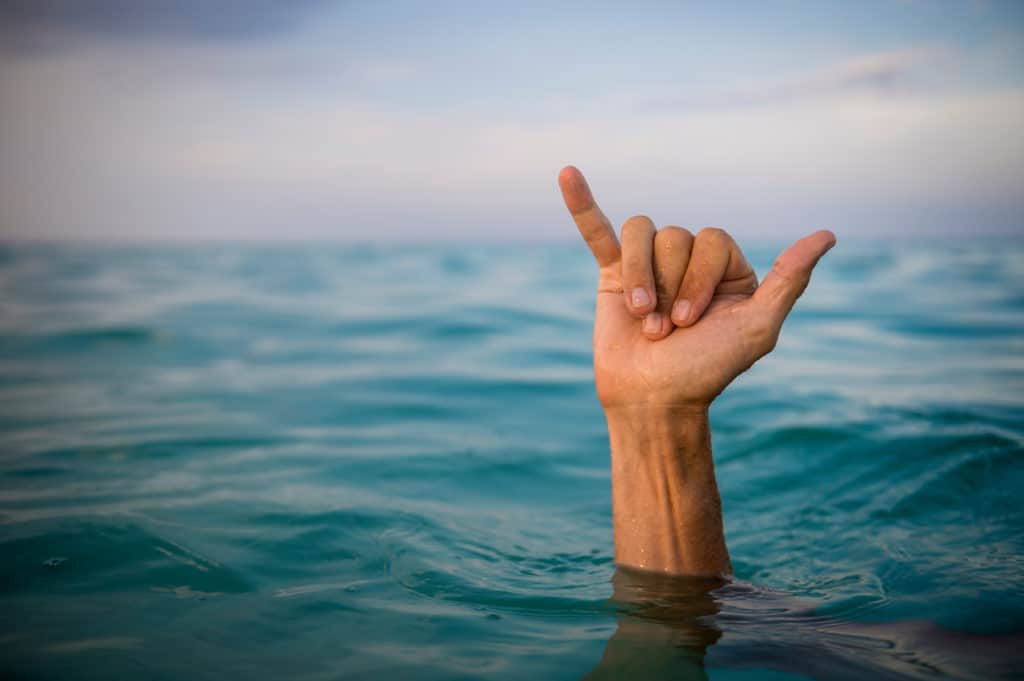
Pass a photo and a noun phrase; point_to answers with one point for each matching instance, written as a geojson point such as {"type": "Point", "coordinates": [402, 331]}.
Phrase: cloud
{"type": "Point", "coordinates": [308, 136]}
{"type": "Point", "coordinates": [880, 73]}
{"type": "Point", "coordinates": [40, 25]}
{"type": "Point", "coordinates": [195, 159]}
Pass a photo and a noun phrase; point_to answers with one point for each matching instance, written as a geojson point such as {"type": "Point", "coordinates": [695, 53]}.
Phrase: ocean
{"type": "Point", "coordinates": [388, 462]}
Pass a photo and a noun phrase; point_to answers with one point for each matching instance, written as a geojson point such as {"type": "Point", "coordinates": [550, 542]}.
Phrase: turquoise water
{"type": "Point", "coordinates": [388, 463]}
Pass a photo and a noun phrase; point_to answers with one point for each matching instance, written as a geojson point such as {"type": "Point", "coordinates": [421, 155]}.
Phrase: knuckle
{"type": "Point", "coordinates": [672, 238]}
{"type": "Point", "coordinates": [713, 240]}
{"type": "Point", "coordinates": [714, 235]}
{"type": "Point", "coordinates": [638, 225]}
{"type": "Point", "coordinates": [796, 277]}
{"type": "Point", "coordinates": [783, 269]}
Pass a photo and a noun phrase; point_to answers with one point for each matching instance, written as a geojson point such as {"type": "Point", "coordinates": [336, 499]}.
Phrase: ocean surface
{"type": "Point", "coordinates": [380, 462]}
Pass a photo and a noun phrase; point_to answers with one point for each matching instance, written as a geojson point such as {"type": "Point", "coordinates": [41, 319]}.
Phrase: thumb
{"type": "Point", "coordinates": [791, 274]}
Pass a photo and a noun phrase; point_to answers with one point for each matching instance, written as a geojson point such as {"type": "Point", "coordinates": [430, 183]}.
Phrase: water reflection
{"type": "Point", "coordinates": [677, 627]}
{"type": "Point", "coordinates": [666, 624]}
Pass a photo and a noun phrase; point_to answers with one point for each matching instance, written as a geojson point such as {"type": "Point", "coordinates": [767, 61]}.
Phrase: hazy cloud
{"type": "Point", "coordinates": [33, 25]}
{"type": "Point", "coordinates": [359, 125]}
{"type": "Point", "coordinates": [887, 72]}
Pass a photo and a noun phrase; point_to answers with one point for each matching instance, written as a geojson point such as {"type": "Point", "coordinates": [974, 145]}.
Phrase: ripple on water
{"type": "Point", "coordinates": [102, 558]}
{"type": "Point", "coordinates": [388, 462]}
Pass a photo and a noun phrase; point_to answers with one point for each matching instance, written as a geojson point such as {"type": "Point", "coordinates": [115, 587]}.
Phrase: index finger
{"type": "Point", "coordinates": [593, 225]}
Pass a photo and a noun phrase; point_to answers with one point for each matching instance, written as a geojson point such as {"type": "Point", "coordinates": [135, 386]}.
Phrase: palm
{"type": "Point", "coordinates": [688, 368]}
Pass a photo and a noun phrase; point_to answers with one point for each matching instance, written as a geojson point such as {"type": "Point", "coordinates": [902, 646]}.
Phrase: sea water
{"type": "Point", "coordinates": [388, 462]}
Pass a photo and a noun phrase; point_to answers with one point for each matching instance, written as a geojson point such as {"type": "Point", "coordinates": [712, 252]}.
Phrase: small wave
{"type": "Point", "coordinates": [82, 339]}
{"type": "Point", "coordinates": [103, 558]}
{"type": "Point", "coordinates": [973, 474]}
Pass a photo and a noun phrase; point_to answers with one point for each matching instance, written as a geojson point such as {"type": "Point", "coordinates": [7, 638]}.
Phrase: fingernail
{"type": "Point", "coordinates": [640, 298]}
{"type": "Point", "coordinates": [680, 310]}
{"type": "Point", "coordinates": [652, 323]}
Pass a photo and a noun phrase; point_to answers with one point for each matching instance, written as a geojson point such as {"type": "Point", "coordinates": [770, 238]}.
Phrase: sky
{"type": "Point", "coordinates": [146, 120]}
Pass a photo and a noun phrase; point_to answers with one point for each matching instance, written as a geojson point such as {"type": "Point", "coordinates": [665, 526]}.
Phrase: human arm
{"type": "Point", "coordinates": [667, 513]}
{"type": "Point", "coordinates": [656, 385]}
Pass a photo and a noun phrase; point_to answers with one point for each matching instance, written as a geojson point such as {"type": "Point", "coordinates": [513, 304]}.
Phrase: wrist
{"type": "Point", "coordinates": [657, 429]}
{"type": "Point", "coordinates": [665, 501]}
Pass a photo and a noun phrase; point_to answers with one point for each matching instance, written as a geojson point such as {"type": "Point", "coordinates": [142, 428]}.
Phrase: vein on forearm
{"type": "Point", "coordinates": [666, 506]}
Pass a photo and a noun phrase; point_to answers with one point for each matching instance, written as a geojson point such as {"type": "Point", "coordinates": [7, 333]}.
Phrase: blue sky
{"type": "Point", "coordinates": [142, 119]}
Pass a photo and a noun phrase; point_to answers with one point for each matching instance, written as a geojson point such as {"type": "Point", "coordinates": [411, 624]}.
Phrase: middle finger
{"type": "Point", "coordinates": [671, 256]}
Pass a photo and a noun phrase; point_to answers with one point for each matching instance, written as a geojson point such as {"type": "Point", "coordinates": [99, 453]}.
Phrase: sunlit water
{"type": "Point", "coordinates": [389, 463]}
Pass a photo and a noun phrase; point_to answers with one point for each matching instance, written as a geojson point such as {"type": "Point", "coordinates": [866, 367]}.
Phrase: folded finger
{"type": "Point", "coordinates": [637, 266]}
{"type": "Point", "coordinates": [716, 265]}
{"type": "Point", "coordinates": [671, 255]}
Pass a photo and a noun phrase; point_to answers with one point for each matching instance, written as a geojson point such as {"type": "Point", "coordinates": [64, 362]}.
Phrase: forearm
{"type": "Point", "coordinates": [666, 509]}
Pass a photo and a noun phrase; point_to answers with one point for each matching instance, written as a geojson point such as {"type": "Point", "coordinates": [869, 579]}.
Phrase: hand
{"type": "Point", "coordinates": [707, 322]}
